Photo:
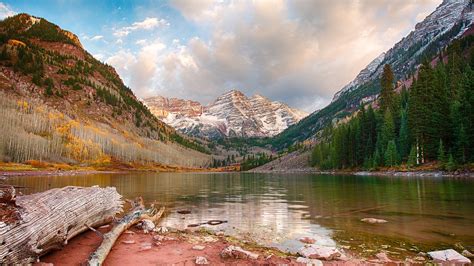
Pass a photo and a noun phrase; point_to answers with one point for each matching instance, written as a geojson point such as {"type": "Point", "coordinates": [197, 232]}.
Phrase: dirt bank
{"type": "Point", "coordinates": [136, 248]}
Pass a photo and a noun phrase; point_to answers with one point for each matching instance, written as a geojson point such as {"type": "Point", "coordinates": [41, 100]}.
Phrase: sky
{"type": "Point", "coordinates": [299, 52]}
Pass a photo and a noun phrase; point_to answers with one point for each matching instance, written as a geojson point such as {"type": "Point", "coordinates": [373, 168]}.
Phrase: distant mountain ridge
{"type": "Point", "coordinates": [232, 114]}
{"type": "Point", "coordinates": [450, 20]}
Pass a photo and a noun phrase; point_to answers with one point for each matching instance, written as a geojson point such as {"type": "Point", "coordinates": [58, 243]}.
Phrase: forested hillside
{"type": "Point", "coordinates": [449, 21]}
{"type": "Point", "coordinates": [59, 103]}
{"type": "Point", "coordinates": [431, 121]}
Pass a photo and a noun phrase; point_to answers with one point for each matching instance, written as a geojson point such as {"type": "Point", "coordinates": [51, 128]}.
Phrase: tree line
{"type": "Point", "coordinates": [432, 121]}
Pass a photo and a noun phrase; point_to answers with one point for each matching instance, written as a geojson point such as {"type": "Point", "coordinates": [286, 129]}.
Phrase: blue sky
{"type": "Point", "coordinates": [299, 52]}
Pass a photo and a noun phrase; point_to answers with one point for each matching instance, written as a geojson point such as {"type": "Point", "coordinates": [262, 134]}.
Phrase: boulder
{"type": "Point", "coordinates": [201, 260]}
{"type": "Point", "coordinates": [237, 253]}
{"type": "Point", "coordinates": [320, 252]}
{"type": "Point", "coordinates": [448, 255]}
{"type": "Point", "coordinates": [309, 261]}
{"type": "Point", "coordinates": [373, 221]}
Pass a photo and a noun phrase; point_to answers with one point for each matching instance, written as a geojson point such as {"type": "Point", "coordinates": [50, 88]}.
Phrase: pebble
{"type": "Point", "coordinates": [147, 226]}
{"type": "Point", "coordinates": [320, 252]}
{"type": "Point", "coordinates": [199, 247]}
{"type": "Point", "coordinates": [237, 253]}
{"type": "Point", "coordinates": [201, 260]}
{"type": "Point", "coordinates": [309, 261]}
{"type": "Point", "coordinates": [382, 256]}
{"type": "Point", "coordinates": [373, 220]}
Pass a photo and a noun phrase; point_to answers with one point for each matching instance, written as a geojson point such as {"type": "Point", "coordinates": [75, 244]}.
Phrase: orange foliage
{"type": "Point", "coordinates": [37, 164]}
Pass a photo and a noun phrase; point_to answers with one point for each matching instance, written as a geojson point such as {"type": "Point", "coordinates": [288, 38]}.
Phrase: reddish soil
{"type": "Point", "coordinates": [177, 250]}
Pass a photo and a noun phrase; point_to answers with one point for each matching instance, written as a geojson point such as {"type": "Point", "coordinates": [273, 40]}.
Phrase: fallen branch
{"type": "Point", "coordinates": [138, 213]}
{"type": "Point", "coordinates": [47, 220]}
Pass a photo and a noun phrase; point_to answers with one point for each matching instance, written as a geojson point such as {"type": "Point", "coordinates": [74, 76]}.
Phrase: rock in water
{"type": "Point", "coordinates": [237, 253]}
{"type": "Point", "coordinates": [373, 221]}
{"type": "Point", "coordinates": [448, 255]}
{"type": "Point", "coordinates": [307, 240]}
{"type": "Point", "coordinates": [309, 261]}
{"type": "Point", "coordinates": [324, 253]}
{"type": "Point", "coordinates": [201, 260]}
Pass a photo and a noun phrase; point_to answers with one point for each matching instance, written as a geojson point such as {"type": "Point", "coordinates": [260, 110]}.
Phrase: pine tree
{"type": "Point", "coordinates": [412, 160]}
{"type": "Point", "coordinates": [441, 154]}
{"type": "Point", "coordinates": [451, 165]}
{"type": "Point", "coordinates": [388, 128]}
{"type": "Point", "coordinates": [404, 136]}
{"type": "Point", "coordinates": [391, 155]}
{"type": "Point", "coordinates": [387, 93]}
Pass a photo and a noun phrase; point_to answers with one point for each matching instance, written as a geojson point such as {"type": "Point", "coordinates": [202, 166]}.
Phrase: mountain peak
{"type": "Point", "coordinates": [24, 25]}
{"type": "Point", "coordinates": [232, 114]}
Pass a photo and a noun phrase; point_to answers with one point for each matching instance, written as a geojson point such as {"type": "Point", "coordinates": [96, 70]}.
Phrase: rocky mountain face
{"type": "Point", "coordinates": [75, 103]}
{"type": "Point", "coordinates": [232, 114]}
{"type": "Point", "coordinates": [450, 20]}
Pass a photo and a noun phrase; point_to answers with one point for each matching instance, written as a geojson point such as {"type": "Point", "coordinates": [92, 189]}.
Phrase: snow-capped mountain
{"type": "Point", "coordinates": [448, 21]}
{"type": "Point", "coordinates": [232, 114]}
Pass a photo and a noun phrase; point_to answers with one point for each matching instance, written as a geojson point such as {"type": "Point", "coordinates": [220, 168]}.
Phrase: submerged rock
{"type": "Point", "coordinates": [309, 261]}
{"type": "Point", "coordinates": [201, 260]}
{"type": "Point", "coordinates": [448, 255]}
{"type": "Point", "coordinates": [237, 253]}
{"type": "Point", "coordinates": [324, 253]}
{"type": "Point", "coordinates": [373, 221]}
{"type": "Point", "coordinates": [307, 240]}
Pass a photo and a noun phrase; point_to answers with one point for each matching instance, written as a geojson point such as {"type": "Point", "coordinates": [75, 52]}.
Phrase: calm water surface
{"type": "Point", "coordinates": [277, 209]}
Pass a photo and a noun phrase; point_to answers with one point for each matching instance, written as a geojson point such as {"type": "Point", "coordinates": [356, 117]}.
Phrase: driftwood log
{"type": "Point", "coordinates": [47, 220]}
{"type": "Point", "coordinates": [138, 213]}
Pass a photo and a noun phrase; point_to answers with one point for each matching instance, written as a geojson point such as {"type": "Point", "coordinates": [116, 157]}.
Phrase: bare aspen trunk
{"type": "Point", "coordinates": [47, 220]}
{"type": "Point", "coordinates": [138, 213]}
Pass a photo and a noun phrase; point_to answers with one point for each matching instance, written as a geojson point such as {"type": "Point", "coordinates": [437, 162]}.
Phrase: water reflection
{"type": "Point", "coordinates": [278, 209]}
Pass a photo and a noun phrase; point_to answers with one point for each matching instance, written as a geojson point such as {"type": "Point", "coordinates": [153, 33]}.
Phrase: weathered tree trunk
{"type": "Point", "coordinates": [47, 220]}
{"type": "Point", "coordinates": [138, 213]}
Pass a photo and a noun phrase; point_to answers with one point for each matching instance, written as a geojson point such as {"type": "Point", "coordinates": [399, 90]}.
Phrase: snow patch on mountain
{"type": "Point", "coordinates": [232, 114]}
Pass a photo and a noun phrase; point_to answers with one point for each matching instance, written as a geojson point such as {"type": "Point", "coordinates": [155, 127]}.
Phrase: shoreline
{"type": "Point", "coordinates": [184, 247]}
{"type": "Point", "coordinates": [388, 173]}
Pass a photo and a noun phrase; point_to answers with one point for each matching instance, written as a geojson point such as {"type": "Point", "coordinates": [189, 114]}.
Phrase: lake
{"type": "Point", "coordinates": [277, 209]}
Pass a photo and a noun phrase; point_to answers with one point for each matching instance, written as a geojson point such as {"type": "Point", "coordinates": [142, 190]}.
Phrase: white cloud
{"type": "Point", "coordinates": [6, 11]}
{"type": "Point", "coordinates": [96, 38]}
{"type": "Point", "coordinates": [139, 69]}
{"type": "Point", "coordinates": [147, 24]}
{"type": "Point", "coordinates": [299, 52]}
